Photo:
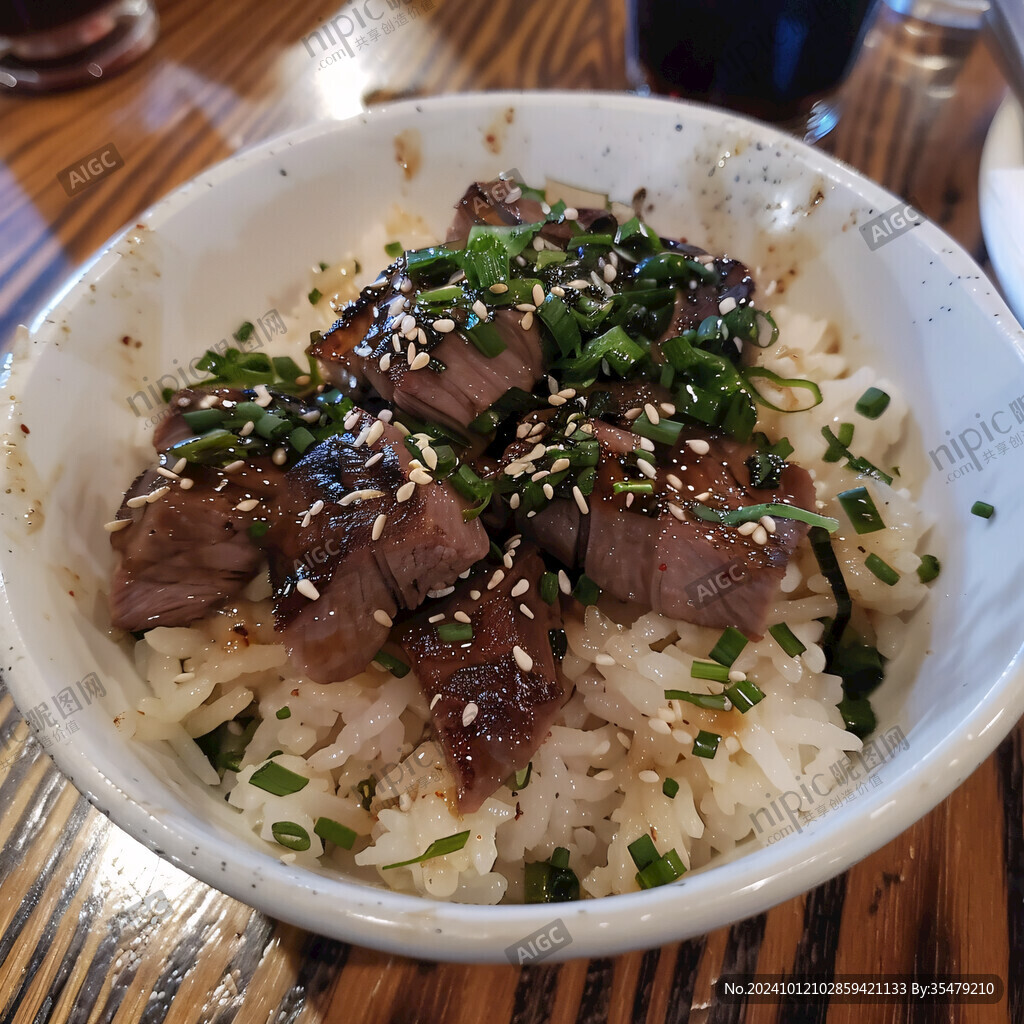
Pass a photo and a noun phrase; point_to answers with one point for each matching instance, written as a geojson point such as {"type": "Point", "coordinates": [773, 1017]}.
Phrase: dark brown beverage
{"type": "Point", "coordinates": [768, 58]}
{"type": "Point", "coordinates": [24, 17]}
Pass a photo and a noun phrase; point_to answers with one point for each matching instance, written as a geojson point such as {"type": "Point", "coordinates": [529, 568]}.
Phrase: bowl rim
{"type": "Point", "coordinates": [420, 927]}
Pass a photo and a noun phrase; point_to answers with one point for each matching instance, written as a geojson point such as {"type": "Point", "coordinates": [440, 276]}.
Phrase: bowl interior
{"type": "Point", "coordinates": [238, 241]}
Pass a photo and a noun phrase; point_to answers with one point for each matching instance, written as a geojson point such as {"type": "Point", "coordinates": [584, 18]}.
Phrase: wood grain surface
{"type": "Point", "coordinates": [94, 928]}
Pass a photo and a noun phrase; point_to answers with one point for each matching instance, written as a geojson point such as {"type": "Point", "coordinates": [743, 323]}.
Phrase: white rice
{"type": "Point", "coordinates": [596, 782]}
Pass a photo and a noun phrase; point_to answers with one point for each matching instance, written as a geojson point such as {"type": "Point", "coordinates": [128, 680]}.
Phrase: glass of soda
{"type": "Point", "coordinates": [60, 44]}
{"type": "Point", "coordinates": [777, 60]}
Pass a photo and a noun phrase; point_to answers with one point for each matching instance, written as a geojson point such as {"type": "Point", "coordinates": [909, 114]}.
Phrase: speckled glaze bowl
{"type": "Point", "coordinates": [240, 238]}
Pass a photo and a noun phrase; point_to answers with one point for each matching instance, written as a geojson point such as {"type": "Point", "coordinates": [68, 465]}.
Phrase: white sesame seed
{"type": "Point", "coordinates": [579, 284]}
{"type": "Point", "coordinates": [674, 482]}
{"type": "Point", "coordinates": [570, 213]}
{"type": "Point", "coordinates": [186, 483]}
{"type": "Point", "coordinates": [362, 436]}
{"type": "Point", "coordinates": [469, 713]}
{"type": "Point", "coordinates": [306, 589]}
{"type": "Point", "coordinates": [768, 523]}
{"type": "Point", "coordinates": [499, 575]}
{"type": "Point", "coordinates": [430, 457]}
{"type": "Point", "coordinates": [234, 467]}
{"type": "Point", "coordinates": [624, 739]}
{"type": "Point", "coordinates": [396, 343]}
{"type": "Point", "coordinates": [703, 496]}
{"type": "Point", "coordinates": [698, 446]}
{"type": "Point", "coordinates": [179, 466]}
{"type": "Point", "coordinates": [648, 776]}
{"type": "Point", "coordinates": [317, 507]}
{"type": "Point", "coordinates": [520, 588]}
{"type": "Point", "coordinates": [117, 524]}
{"type": "Point", "coordinates": [408, 325]}
{"type": "Point", "coordinates": [514, 195]}
{"type": "Point", "coordinates": [378, 526]}
{"type": "Point", "coordinates": [563, 582]}
{"type": "Point", "coordinates": [549, 491]}
{"type": "Point", "coordinates": [538, 294]}
{"type": "Point", "coordinates": [523, 660]}
{"type": "Point", "coordinates": [263, 398]}
{"type": "Point", "coordinates": [382, 618]}
{"type": "Point", "coordinates": [609, 272]}
{"type": "Point", "coordinates": [558, 290]}
{"type": "Point", "coordinates": [475, 595]}
{"type": "Point", "coordinates": [736, 676]}
{"type": "Point", "coordinates": [406, 491]}
{"type": "Point", "coordinates": [352, 419]}
{"type": "Point", "coordinates": [629, 498]}
{"type": "Point", "coordinates": [525, 307]}
{"type": "Point", "coordinates": [538, 243]}
{"type": "Point", "coordinates": [522, 430]}
{"type": "Point", "coordinates": [499, 288]}
{"type": "Point", "coordinates": [746, 529]}
{"type": "Point", "coordinates": [434, 700]}
{"type": "Point", "coordinates": [604, 659]}
{"type": "Point", "coordinates": [527, 321]}
{"type": "Point", "coordinates": [581, 502]}
{"type": "Point", "coordinates": [646, 469]}
{"type": "Point", "coordinates": [362, 495]}
{"type": "Point", "coordinates": [373, 435]}
{"type": "Point", "coordinates": [676, 511]}
{"type": "Point", "coordinates": [422, 360]}
{"type": "Point", "coordinates": [439, 617]}
{"type": "Point", "coordinates": [513, 501]}
{"type": "Point", "coordinates": [421, 336]}
{"type": "Point", "coordinates": [525, 609]}
{"type": "Point", "coordinates": [461, 616]}
{"type": "Point", "coordinates": [420, 476]}
{"type": "Point", "coordinates": [373, 460]}
{"type": "Point", "coordinates": [646, 444]}
{"type": "Point", "coordinates": [658, 725]}
{"type": "Point", "coordinates": [167, 474]}
{"type": "Point", "coordinates": [631, 414]}
{"type": "Point", "coordinates": [727, 305]}
{"type": "Point", "coordinates": [556, 400]}
{"type": "Point", "coordinates": [507, 560]}
{"type": "Point", "coordinates": [385, 362]}
{"type": "Point", "coordinates": [157, 494]}
{"type": "Point", "coordinates": [559, 464]}
{"type": "Point", "coordinates": [306, 520]}
{"type": "Point", "coordinates": [760, 535]}
{"type": "Point", "coordinates": [443, 592]}
{"type": "Point", "coordinates": [652, 414]}
{"type": "Point", "coordinates": [444, 325]}
{"type": "Point", "coordinates": [604, 776]}
{"type": "Point", "coordinates": [248, 505]}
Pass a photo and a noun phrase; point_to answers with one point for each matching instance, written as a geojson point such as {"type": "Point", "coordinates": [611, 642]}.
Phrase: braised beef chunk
{"type": "Point", "coordinates": [335, 585]}
{"type": "Point", "coordinates": [638, 549]}
{"type": "Point", "coordinates": [187, 550]}
{"type": "Point", "coordinates": [492, 697]}
{"type": "Point", "coordinates": [389, 354]}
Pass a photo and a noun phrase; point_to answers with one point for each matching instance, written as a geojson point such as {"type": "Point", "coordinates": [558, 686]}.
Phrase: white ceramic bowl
{"type": "Point", "coordinates": [240, 238]}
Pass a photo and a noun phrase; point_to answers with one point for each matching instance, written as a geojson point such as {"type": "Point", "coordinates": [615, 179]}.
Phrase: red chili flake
{"type": "Point", "coordinates": [25, 429]}
{"type": "Point", "coordinates": [663, 567]}
{"type": "Point", "coordinates": [295, 692]}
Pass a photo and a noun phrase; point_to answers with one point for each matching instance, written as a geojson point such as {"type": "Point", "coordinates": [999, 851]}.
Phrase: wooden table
{"type": "Point", "coordinates": [93, 927]}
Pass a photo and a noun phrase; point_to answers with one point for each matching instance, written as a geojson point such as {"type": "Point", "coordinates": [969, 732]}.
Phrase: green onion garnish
{"type": "Point", "coordinates": [394, 249]}
{"type": "Point", "coordinates": [288, 834]}
{"type": "Point", "coordinates": [643, 851]}
{"type": "Point", "coordinates": [258, 529]}
{"type": "Point", "coordinates": [670, 787]}
{"type": "Point", "coordinates": [885, 572]}
{"type": "Point", "coordinates": [744, 695]}
{"type": "Point", "coordinates": [786, 639]}
{"type": "Point", "coordinates": [315, 296]}
{"type": "Point", "coordinates": [275, 779]}
{"type": "Point", "coordinates": [549, 587]}
{"type": "Point", "coordinates": [706, 744]}
{"type": "Point", "coordinates": [559, 642]}
{"type": "Point", "coordinates": [872, 403]}
{"type": "Point", "coordinates": [283, 713]}
{"type": "Point", "coordinates": [632, 487]}
{"type": "Point", "coordinates": [438, 848]}
{"type": "Point", "coordinates": [710, 701]}
{"type": "Point", "coordinates": [367, 789]}
{"type": "Point", "coordinates": [664, 870]}
{"type": "Point", "coordinates": [521, 778]}
{"type": "Point", "coordinates": [752, 513]}
{"type": "Point", "coordinates": [245, 332]}
{"type": "Point", "coordinates": [829, 565]}
{"type": "Point", "coordinates": [781, 382]}
{"type": "Point", "coordinates": [586, 591]}
{"type": "Point", "coordinates": [861, 668]}
{"type": "Point", "coordinates": [837, 450]}
{"type": "Point", "coordinates": [551, 881]}
{"type": "Point", "coordinates": [858, 715]}
{"type": "Point", "coordinates": [331, 831]}
{"type": "Point", "coordinates": [928, 569]}
{"type": "Point", "coordinates": [861, 510]}
{"type": "Point", "coordinates": [709, 670]}
{"type": "Point", "coordinates": [982, 509]}
{"type": "Point", "coordinates": [454, 632]}
{"type": "Point", "coordinates": [392, 664]}
{"type": "Point", "coordinates": [200, 420]}
{"type": "Point", "coordinates": [729, 646]}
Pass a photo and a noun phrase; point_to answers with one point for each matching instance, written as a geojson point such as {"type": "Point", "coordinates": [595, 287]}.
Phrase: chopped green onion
{"type": "Point", "coordinates": [885, 572]}
{"type": "Point", "coordinates": [521, 778]}
{"type": "Point", "coordinates": [670, 787]}
{"type": "Point", "coordinates": [245, 332]}
{"type": "Point", "coordinates": [201, 420]}
{"type": "Point", "coordinates": [394, 249]}
{"type": "Point", "coordinates": [861, 668]}
{"type": "Point", "coordinates": [858, 716]}
{"type": "Point", "coordinates": [643, 851]}
{"type": "Point", "coordinates": [709, 670]}
{"type": "Point", "coordinates": [546, 257]}
{"type": "Point", "coordinates": [549, 587]}
{"type": "Point", "coordinates": [273, 778]}
{"type": "Point", "coordinates": [586, 591]}
{"type": "Point", "coordinates": [315, 296]}
{"type": "Point", "coordinates": [709, 701]}
{"type": "Point", "coordinates": [331, 831]}
{"type": "Point", "coordinates": [455, 632]}
{"type": "Point", "coordinates": [438, 848]}
{"type": "Point", "coordinates": [744, 695]}
{"type": "Point", "coordinates": [872, 403]}
{"type": "Point", "coordinates": [729, 646]}
{"type": "Point", "coordinates": [441, 296]}
{"type": "Point", "coordinates": [301, 440]}
{"type": "Point", "coordinates": [614, 346]}
{"type": "Point", "coordinates": [787, 639]}
{"type": "Point", "coordinates": [837, 450]}
{"type": "Point", "coordinates": [928, 569]}
{"type": "Point", "coordinates": [706, 744]}
{"type": "Point", "coordinates": [551, 881]}
{"type": "Point", "coordinates": [283, 713]}
{"type": "Point", "coordinates": [561, 323]}
{"type": "Point", "coordinates": [674, 266]}
{"type": "Point", "coordinates": [632, 487]}
{"type": "Point", "coordinates": [861, 510]}
{"type": "Point", "coordinates": [393, 665]}
{"type": "Point", "coordinates": [258, 529]}
{"type": "Point", "coordinates": [487, 338]}
{"type": "Point", "coordinates": [288, 834]}
{"type": "Point", "coordinates": [559, 642]}
{"type": "Point", "coordinates": [821, 545]}
{"type": "Point", "coordinates": [664, 870]}
{"type": "Point", "coordinates": [664, 432]}
{"type": "Point", "coordinates": [781, 382]}
{"type": "Point", "coordinates": [367, 789]}
{"type": "Point", "coordinates": [982, 509]}
{"type": "Point", "coordinates": [324, 266]}
{"type": "Point", "coordinates": [752, 513]}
